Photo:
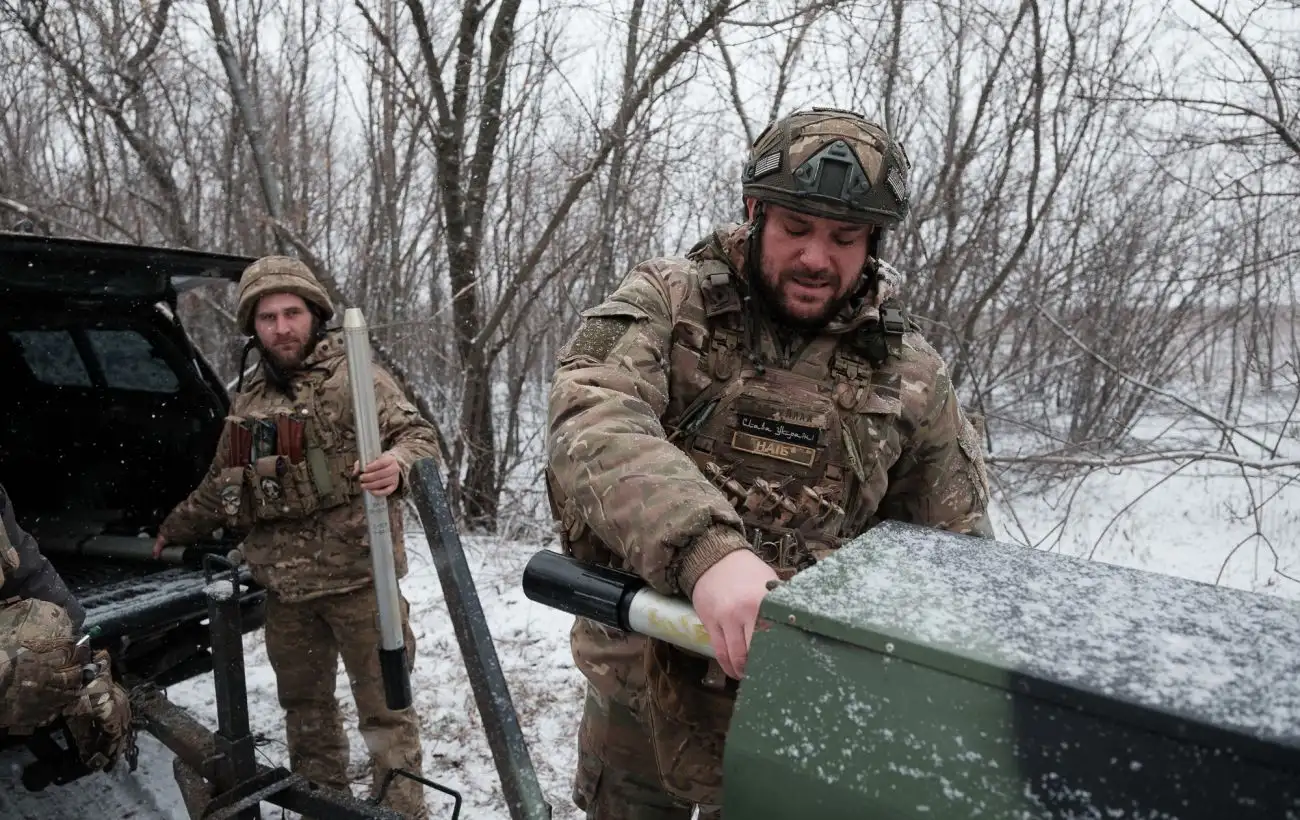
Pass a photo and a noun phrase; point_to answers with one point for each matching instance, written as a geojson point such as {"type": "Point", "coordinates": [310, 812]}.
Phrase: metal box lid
{"type": "Point", "coordinates": [1178, 657]}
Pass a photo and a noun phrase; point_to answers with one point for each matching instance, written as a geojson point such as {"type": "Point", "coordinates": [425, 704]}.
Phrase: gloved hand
{"type": "Point", "coordinates": [99, 719]}
{"type": "Point", "coordinates": [39, 677]}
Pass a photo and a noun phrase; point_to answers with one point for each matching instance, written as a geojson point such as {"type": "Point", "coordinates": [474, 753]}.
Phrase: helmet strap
{"type": "Point", "coordinates": [870, 268]}
{"type": "Point", "coordinates": [317, 325]}
{"type": "Point", "coordinates": [243, 361]}
{"type": "Point", "coordinates": [754, 246]}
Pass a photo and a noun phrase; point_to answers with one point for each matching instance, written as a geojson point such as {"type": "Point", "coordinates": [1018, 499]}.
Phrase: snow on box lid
{"type": "Point", "coordinates": [1180, 657]}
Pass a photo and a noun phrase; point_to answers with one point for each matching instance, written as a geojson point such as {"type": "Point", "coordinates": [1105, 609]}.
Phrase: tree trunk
{"type": "Point", "coordinates": [480, 493]}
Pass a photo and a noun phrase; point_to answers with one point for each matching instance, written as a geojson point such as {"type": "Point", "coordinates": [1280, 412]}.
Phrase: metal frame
{"type": "Point", "coordinates": [221, 766]}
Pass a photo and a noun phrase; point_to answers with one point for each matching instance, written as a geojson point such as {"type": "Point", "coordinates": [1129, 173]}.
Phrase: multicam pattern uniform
{"type": "Point", "coordinates": [308, 545]}
{"type": "Point", "coordinates": [41, 667]}
{"type": "Point", "coordinates": [681, 430]}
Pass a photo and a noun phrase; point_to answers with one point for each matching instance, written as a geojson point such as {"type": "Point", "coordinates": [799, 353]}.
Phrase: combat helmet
{"type": "Point", "coordinates": [831, 163]}
{"type": "Point", "coordinates": [279, 274]}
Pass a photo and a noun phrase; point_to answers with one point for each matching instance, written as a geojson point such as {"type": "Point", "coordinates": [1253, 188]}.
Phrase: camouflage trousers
{"type": "Point", "coordinates": [304, 641]}
{"type": "Point", "coordinates": [617, 777]}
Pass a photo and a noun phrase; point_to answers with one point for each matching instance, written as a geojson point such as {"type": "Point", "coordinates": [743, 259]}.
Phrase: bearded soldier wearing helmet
{"type": "Point", "coordinates": [727, 419]}
{"type": "Point", "coordinates": [286, 472]}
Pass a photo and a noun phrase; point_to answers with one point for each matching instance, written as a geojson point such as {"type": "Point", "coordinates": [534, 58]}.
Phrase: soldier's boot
{"type": "Point", "coordinates": [397, 746]}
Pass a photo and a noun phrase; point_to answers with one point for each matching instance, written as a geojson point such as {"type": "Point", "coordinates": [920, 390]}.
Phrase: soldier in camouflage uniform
{"type": "Point", "coordinates": [726, 419]}
{"type": "Point", "coordinates": [44, 674]}
{"type": "Point", "coordinates": [286, 472]}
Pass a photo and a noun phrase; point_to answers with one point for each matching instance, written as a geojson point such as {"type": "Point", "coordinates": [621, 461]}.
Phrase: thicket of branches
{"type": "Point", "coordinates": [1105, 195]}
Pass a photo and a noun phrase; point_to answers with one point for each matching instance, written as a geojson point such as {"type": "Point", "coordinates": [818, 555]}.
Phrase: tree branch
{"type": "Point", "coordinates": [32, 213]}
{"type": "Point", "coordinates": [1278, 124]}
{"type": "Point", "coordinates": [1222, 424]}
{"type": "Point", "coordinates": [608, 140]}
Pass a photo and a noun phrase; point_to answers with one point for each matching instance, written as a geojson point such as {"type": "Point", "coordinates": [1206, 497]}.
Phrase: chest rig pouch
{"type": "Point", "coordinates": [287, 462]}
{"type": "Point", "coordinates": [780, 442]}
{"type": "Point", "coordinates": [775, 440]}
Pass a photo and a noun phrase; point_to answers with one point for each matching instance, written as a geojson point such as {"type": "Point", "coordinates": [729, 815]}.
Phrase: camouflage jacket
{"type": "Point", "coordinates": [305, 519]}
{"type": "Point", "coordinates": [627, 464]}
{"type": "Point", "coordinates": [32, 576]}
{"type": "Point", "coordinates": [36, 644]}
{"type": "Point", "coordinates": [42, 678]}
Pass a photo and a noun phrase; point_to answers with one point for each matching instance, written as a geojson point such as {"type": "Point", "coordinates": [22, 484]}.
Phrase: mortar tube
{"type": "Point", "coordinates": [392, 648]}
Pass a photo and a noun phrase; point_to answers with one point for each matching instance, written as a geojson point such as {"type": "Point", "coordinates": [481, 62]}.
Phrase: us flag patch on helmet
{"type": "Point", "coordinates": [767, 164]}
{"type": "Point", "coordinates": [898, 184]}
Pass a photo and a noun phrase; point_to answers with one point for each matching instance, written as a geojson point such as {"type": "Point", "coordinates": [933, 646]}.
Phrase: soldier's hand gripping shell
{"type": "Point", "coordinates": [726, 599]}
{"type": "Point", "coordinates": [381, 477]}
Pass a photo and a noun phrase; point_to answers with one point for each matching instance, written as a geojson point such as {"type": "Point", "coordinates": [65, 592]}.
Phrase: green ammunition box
{"type": "Point", "coordinates": [921, 674]}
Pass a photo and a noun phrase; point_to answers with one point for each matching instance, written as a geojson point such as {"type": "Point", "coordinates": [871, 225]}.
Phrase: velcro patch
{"type": "Point", "coordinates": [897, 184]}
{"type": "Point", "coordinates": [598, 336]}
{"type": "Point", "coordinates": [773, 449]}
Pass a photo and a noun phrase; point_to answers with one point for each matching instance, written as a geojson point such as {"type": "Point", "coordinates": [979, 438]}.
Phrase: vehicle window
{"type": "Point", "coordinates": [125, 358]}
{"type": "Point", "coordinates": [52, 357]}
{"type": "Point", "coordinates": [129, 363]}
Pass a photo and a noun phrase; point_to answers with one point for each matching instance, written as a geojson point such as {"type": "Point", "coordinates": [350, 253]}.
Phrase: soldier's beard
{"type": "Point", "coordinates": [288, 358]}
{"type": "Point", "coordinates": [280, 363]}
{"type": "Point", "coordinates": [777, 305]}
{"type": "Point", "coordinates": [288, 354]}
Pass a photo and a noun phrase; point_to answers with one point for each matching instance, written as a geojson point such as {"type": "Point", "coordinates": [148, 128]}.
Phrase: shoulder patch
{"type": "Point", "coordinates": [598, 336]}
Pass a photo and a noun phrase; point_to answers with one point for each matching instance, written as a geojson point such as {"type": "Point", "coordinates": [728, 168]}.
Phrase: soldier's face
{"type": "Point", "coordinates": [810, 264]}
{"type": "Point", "coordinates": [283, 325]}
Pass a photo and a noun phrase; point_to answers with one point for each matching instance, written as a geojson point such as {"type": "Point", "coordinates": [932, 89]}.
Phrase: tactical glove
{"type": "Point", "coordinates": [99, 720]}
{"type": "Point", "coordinates": [39, 677]}
{"type": "Point", "coordinates": [9, 560]}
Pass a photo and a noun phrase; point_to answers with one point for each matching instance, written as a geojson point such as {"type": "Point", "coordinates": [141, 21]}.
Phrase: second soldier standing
{"type": "Point", "coordinates": [286, 472]}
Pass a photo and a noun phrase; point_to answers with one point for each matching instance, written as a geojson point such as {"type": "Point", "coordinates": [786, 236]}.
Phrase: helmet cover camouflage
{"type": "Point", "coordinates": [278, 274]}
{"type": "Point", "coordinates": [830, 163]}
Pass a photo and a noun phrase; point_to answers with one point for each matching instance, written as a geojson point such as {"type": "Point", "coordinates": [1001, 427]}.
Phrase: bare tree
{"type": "Point", "coordinates": [1103, 199]}
{"type": "Point", "coordinates": [463, 112]}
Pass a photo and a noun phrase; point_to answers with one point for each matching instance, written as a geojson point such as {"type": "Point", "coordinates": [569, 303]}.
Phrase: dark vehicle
{"type": "Point", "coordinates": [109, 416]}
